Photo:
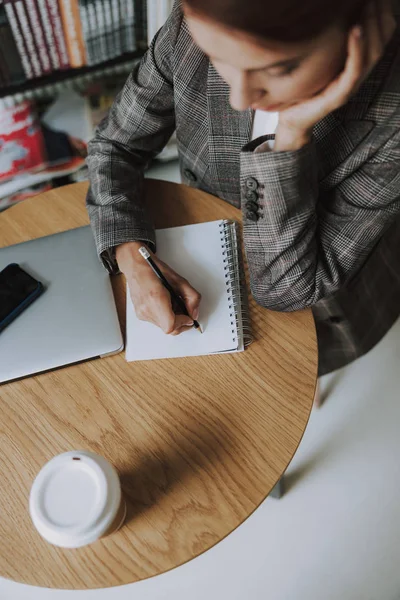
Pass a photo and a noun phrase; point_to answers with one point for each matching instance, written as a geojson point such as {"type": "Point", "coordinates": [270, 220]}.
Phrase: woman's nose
{"type": "Point", "coordinates": [243, 94]}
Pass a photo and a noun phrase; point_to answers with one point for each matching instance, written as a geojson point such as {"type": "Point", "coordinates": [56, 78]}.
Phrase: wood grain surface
{"type": "Point", "coordinates": [199, 442]}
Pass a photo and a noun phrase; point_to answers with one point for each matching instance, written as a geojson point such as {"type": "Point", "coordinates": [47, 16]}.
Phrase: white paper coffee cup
{"type": "Point", "coordinates": [76, 499]}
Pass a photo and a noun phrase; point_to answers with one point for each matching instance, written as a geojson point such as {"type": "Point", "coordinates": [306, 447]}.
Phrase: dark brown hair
{"type": "Point", "coordinates": [281, 20]}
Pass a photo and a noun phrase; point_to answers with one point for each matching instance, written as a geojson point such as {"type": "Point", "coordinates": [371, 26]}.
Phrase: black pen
{"type": "Point", "coordinates": [174, 296]}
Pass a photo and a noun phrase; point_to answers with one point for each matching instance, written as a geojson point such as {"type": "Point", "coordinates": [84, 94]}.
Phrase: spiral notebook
{"type": "Point", "coordinates": [208, 256]}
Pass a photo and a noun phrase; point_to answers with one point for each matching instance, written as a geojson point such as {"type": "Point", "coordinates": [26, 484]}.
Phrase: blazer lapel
{"type": "Point", "coordinates": [229, 131]}
{"type": "Point", "coordinates": [346, 138]}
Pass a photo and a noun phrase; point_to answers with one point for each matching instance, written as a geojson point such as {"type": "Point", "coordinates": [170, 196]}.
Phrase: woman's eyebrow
{"type": "Point", "coordinates": [287, 62]}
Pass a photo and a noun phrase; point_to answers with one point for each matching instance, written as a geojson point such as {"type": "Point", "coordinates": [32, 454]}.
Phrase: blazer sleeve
{"type": "Point", "coordinates": [139, 124]}
{"type": "Point", "coordinates": [303, 244]}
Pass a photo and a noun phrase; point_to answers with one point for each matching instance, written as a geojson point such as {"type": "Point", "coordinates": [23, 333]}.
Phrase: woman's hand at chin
{"type": "Point", "coordinates": [366, 45]}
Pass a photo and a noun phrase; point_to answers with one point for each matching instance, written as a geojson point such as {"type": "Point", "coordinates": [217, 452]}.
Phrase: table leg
{"type": "Point", "coordinates": [318, 399]}
{"type": "Point", "coordinates": [279, 489]}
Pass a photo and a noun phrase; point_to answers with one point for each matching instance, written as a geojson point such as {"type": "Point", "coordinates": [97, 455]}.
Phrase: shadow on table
{"type": "Point", "coordinates": [193, 451]}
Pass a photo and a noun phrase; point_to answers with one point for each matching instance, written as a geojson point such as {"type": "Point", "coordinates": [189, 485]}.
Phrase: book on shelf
{"type": "Point", "coordinates": [11, 60]}
{"type": "Point", "coordinates": [100, 35]}
{"type": "Point", "coordinates": [122, 26]}
{"type": "Point", "coordinates": [94, 29]}
{"type": "Point", "coordinates": [84, 19]}
{"type": "Point", "coordinates": [118, 27]}
{"type": "Point", "coordinates": [109, 29]}
{"type": "Point", "coordinates": [18, 38]}
{"type": "Point", "coordinates": [129, 25]}
{"type": "Point", "coordinates": [3, 73]}
{"type": "Point", "coordinates": [48, 34]}
{"type": "Point", "coordinates": [95, 41]}
{"type": "Point", "coordinates": [58, 33]}
{"type": "Point", "coordinates": [141, 23]}
{"type": "Point", "coordinates": [91, 41]}
{"type": "Point", "coordinates": [73, 32]}
{"type": "Point", "coordinates": [45, 24]}
{"type": "Point", "coordinates": [38, 35]}
{"type": "Point", "coordinates": [101, 30]}
{"type": "Point", "coordinates": [27, 33]}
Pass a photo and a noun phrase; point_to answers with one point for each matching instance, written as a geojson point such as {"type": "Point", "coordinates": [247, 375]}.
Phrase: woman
{"type": "Point", "coordinates": [290, 110]}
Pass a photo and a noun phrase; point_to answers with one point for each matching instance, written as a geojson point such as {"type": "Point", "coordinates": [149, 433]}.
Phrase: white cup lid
{"type": "Point", "coordinates": [75, 498]}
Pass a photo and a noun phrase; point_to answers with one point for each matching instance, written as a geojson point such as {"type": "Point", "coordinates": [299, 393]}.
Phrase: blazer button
{"type": "Point", "coordinates": [252, 206]}
{"type": "Point", "coordinates": [335, 320]}
{"type": "Point", "coordinates": [253, 196]}
{"type": "Point", "coordinates": [190, 175]}
{"type": "Point", "coordinates": [251, 184]}
{"type": "Point", "coordinates": [252, 216]}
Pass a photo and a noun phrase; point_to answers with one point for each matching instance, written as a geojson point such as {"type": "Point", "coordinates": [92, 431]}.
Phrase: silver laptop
{"type": "Point", "coordinates": [75, 319]}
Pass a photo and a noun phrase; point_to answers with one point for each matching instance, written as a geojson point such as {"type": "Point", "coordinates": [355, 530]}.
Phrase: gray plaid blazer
{"type": "Point", "coordinates": [321, 225]}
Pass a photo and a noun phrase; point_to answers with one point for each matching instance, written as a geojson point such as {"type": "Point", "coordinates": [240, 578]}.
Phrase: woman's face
{"type": "Point", "coordinates": [270, 76]}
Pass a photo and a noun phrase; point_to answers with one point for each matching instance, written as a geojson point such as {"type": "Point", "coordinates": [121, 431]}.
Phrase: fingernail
{"type": "Point", "coordinates": [358, 31]}
{"type": "Point", "coordinates": [196, 314]}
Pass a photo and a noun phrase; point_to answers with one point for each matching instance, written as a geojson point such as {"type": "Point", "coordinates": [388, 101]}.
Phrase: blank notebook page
{"type": "Point", "coordinates": [196, 253]}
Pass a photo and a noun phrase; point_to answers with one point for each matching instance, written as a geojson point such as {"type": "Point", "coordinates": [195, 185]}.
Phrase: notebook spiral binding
{"type": "Point", "coordinates": [236, 283]}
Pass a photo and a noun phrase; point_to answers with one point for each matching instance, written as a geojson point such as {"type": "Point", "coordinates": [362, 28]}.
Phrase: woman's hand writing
{"type": "Point", "coordinates": [151, 300]}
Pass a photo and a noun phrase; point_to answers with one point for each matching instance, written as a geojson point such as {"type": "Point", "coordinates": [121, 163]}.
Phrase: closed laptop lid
{"type": "Point", "coordinates": [75, 319]}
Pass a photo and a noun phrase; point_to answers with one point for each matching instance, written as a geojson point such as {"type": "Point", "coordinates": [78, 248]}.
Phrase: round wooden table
{"type": "Point", "coordinates": [199, 442]}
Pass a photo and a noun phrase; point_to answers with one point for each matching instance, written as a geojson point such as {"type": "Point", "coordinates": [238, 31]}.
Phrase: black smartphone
{"type": "Point", "coordinates": [18, 290]}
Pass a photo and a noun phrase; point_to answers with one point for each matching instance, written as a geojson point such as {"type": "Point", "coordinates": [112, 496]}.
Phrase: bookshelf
{"type": "Point", "coordinates": [54, 83]}
{"type": "Point", "coordinates": [48, 44]}
{"type": "Point", "coordinates": [62, 62]}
